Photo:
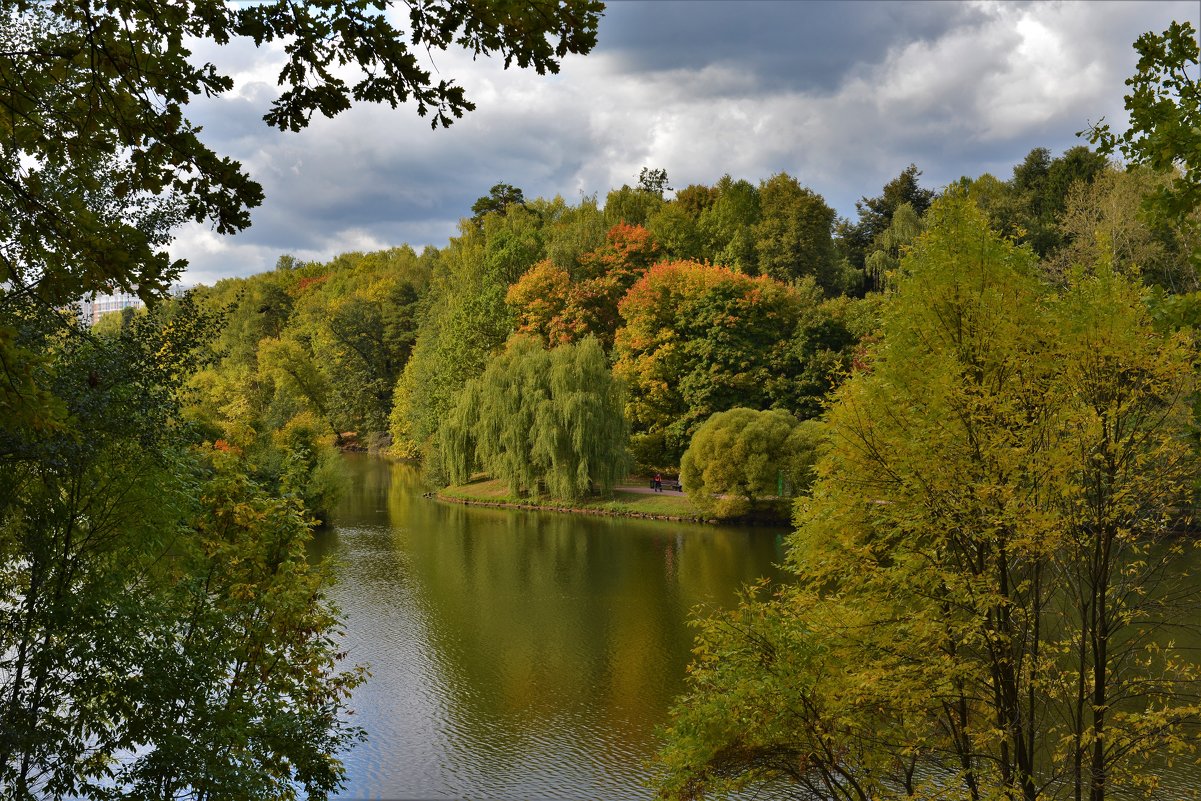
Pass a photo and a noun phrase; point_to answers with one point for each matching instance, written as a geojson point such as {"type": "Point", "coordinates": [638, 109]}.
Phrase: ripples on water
{"type": "Point", "coordinates": [515, 654]}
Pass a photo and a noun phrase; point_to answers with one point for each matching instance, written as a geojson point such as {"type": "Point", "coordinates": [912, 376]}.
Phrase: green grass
{"type": "Point", "coordinates": [622, 503]}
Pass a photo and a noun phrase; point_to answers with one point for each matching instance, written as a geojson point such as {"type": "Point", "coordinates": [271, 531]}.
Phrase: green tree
{"type": "Point", "coordinates": [499, 198]}
{"type": "Point", "coordinates": [858, 240]}
{"type": "Point", "coordinates": [742, 461]}
{"type": "Point", "coordinates": [164, 633]}
{"type": "Point", "coordinates": [464, 322]}
{"type": "Point", "coordinates": [727, 225]}
{"type": "Point", "coordinates": [1164, 103]}
{"type": "Point", "coordinates": [571, 231]}
{"type": "Point", "coordinates": [1040, 189]}
{"type": "Point", "coordinates": [700, 339]}
{"type": "Point", "coordinates": [653, 180]}
{"type": "Point", "coordinates": [884, 257]}
{"type": "Point", "coordinates": [513, 244]}
{"type": "Point", "coordinates": [544, 421]}
{"type": "Point", "coordinates": [793, 236]}
{"type": "Point", "coordinates": [632, 206]}
{"type": "Point", "coordinates": [987, 600]}
{"type": "Point", "coordinates": [675, 229]}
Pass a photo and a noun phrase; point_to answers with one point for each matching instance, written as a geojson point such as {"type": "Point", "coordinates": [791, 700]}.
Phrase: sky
{"type": "Point", "coordinates": [842, 95]}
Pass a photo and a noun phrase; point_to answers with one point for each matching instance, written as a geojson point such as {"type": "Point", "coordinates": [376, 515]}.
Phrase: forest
{"type": "Point", "coordinates": [982, 398]}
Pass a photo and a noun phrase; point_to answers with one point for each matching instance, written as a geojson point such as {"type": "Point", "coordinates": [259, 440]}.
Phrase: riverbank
{"type": "Point", "coordinates": [626, 502]}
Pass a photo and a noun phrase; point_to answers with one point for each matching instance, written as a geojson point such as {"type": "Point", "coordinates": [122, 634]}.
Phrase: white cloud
{"type": "Point", "coordinates": [967, 98]}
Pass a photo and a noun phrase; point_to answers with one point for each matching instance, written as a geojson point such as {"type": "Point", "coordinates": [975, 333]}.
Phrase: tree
{"type": "Point", "coordinates": [1040, 189]}
{"type": "Point", "coordinates": [498, 200]}
{"type": "Point", "coordinates": [1164, 102]}
{"type": "Point", "coordinates": [1105, 219]}
{"type": "Point", "coordinates": [741, 460]}
{"type": "Point", "coordinates": [700, 339]}
{"type": "Point", "coordinates": [513, 243]}
{"type": "Point", "coordinates": [552, 306]}
{"type": "Point", "coordinates": [464, 322]}
{"type": "Point", "coordinates": [653, 181]}
{"type": "Point", "coordinates": [295, 370]}
{"type": "Point", "coordinates": [539, 303]}
{"type": "Point", "coordinates": [988, 599]}
{"type": "Point", "coordinates": [694, 199]}
{"type": "Point", "coordinates": [675, 229]}
{"type": "Point", "coordinates": [94, 102]}
{"type": "Point", "coordinates": [726, 226]}
{"type": "Point", "coordinates": [569, 232]}
{"type": "Point", "coordinates": [631, 206]}
{"type": "Point", "coordinates": [542, 421]}
{"type": "Point", "coordinates": [884, 258]}
{"type": "Point", "coordinates": [163, 630]}
{"type": "Point", "coordinates": [858, 239]}
{"type": "Point", "coordinates": [794, 234]}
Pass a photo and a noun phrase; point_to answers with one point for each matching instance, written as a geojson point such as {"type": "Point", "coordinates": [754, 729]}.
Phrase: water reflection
{"type": "Point", "coordinates": [518, 654]}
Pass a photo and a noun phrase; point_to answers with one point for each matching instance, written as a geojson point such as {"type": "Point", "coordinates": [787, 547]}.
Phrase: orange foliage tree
{"type": "Point", "coordinates": [557, 306]}
{"type": "Point", "coordinates": [700, 339]}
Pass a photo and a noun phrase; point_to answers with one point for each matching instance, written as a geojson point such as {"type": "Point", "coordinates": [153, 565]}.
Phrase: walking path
{"type": "Point", "coordinates": [642, 489]}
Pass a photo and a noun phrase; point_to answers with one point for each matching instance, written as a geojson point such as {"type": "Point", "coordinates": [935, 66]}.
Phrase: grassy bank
{"type": "Point", "coordinates": [492, 492]}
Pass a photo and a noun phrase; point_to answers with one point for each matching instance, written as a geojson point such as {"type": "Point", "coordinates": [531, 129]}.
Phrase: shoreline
{"type": "Point", "coordinates": [578, 510]}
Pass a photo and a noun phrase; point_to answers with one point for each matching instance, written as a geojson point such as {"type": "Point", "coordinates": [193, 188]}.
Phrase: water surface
{"type": "Point", "coordinates": [518, 654]}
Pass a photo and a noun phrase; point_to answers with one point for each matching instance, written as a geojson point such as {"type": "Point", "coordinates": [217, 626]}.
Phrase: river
{"type": "Point", "coordinates": [517, 654]}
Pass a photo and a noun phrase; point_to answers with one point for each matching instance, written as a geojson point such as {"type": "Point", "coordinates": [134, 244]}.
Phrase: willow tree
{"type": "Point", "coordinates": [989, 600]}
{"type": "Point", "coordinates": [544, 421]}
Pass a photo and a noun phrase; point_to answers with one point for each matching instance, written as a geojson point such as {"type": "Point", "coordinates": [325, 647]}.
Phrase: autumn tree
{"type": "Point", "coordinates": [700, 339]}
{"type": "Point", "coordinates": [1106, 219]}
{"type": "Point", "coordinates": [989, 594]}
{"type": "Point", "coordinates": [694, 199]}
{"type": "Point", "coordinates": [539, 302]}
{"type": "Point", "coordinates": [560, 307]}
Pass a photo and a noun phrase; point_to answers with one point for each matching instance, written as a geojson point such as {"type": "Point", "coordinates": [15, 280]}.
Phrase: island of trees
{"type": "Point", "coordinates": [982, 399]}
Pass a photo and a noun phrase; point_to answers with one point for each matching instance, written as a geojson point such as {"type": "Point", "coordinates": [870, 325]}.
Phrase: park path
{"type": "Point", "coordinates": [643, 489]}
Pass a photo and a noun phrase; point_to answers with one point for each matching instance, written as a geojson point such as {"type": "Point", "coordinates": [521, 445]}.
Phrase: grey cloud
{"type": "Point", "coordinates": [842, 95]}
{"type": "Point", "coordinates": [804, 46]}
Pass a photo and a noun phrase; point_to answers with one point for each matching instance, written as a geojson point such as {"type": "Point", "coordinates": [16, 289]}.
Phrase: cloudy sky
{"type": "Point", "coordinates": [842, 95]}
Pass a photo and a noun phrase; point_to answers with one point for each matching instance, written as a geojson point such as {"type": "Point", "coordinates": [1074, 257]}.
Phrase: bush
{"type": "Point", "coordinates": [744, 461]}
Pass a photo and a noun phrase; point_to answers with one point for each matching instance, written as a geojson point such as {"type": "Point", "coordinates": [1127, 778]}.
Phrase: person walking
{"type": "Point", "coordinates": [658, 483]}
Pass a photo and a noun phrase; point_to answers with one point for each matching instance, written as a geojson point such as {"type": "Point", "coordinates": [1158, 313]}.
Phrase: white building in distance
{"type": "Point", "coordinates": [91, 310]}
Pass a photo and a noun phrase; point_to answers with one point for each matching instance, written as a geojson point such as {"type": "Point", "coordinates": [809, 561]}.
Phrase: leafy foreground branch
{"type": "Point", "coordinates": [991, 601]}
{"type": "Point", "coordinates": [162, 631]}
